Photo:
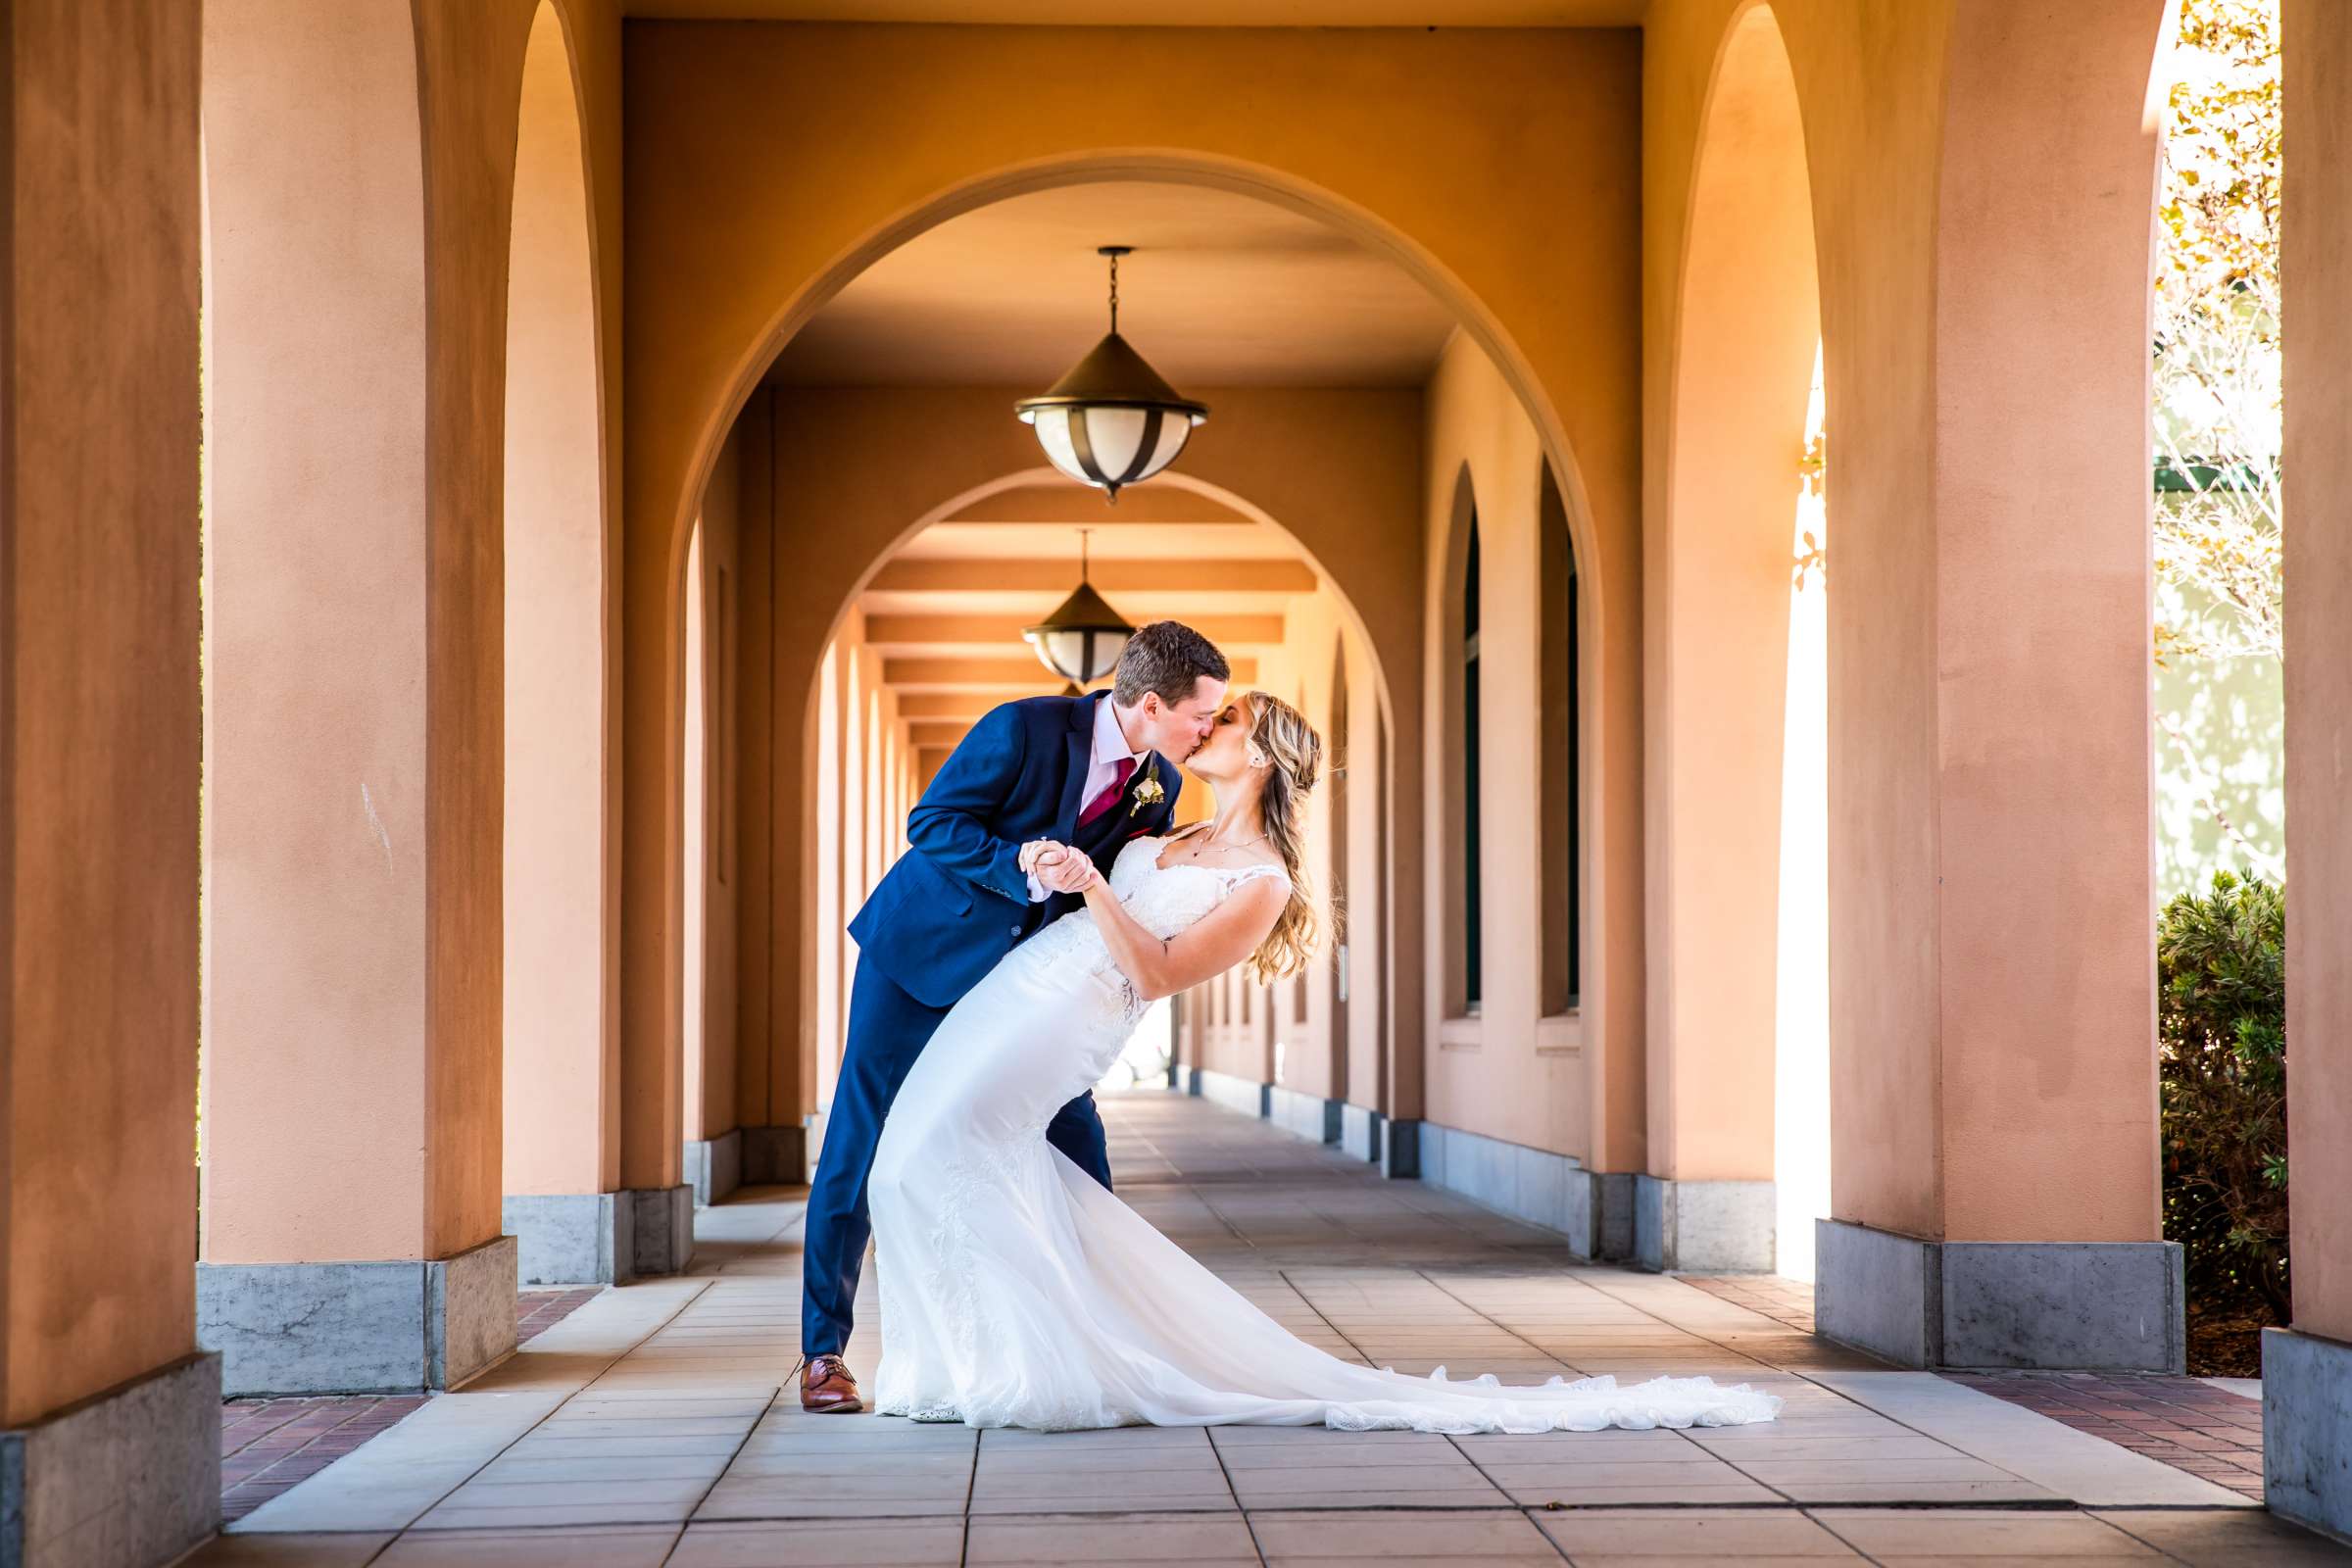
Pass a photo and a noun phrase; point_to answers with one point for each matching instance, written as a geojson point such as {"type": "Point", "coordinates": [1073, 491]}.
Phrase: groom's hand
{"type": "Point", "coordinates": [1064, 870]}
{"type": "Point", "coordinates": [1038, 851]}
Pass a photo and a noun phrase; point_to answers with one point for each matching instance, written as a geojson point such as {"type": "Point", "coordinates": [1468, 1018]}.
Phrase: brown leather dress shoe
{"type": "Point", "coordinates": [828, 1389]}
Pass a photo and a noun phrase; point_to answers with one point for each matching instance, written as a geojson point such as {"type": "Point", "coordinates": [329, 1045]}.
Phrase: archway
{"type": "Point", "coordinates": [1613, 1124]}
{"type": "Point", "coordinates": [1744, 353]}
{"type": "Point", "coordinates": [560, 1026]}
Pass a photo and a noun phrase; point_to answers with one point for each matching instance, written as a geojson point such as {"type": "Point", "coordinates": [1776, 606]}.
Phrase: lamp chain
{"type": "Point", "coordinates": [1114, 292]}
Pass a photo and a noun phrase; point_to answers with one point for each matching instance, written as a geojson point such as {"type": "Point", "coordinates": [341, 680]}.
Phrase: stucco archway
{"type": "Point", "coordinates": [692, 381]}
{"type": "Point", "coordinates": [1748, 325]}
{"type": "Point", "coordinates": [561, 1057]}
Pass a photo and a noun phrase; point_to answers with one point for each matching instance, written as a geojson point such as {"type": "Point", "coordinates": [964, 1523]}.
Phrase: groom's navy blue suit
{"type": "Point", "coordinates": [954, 904]}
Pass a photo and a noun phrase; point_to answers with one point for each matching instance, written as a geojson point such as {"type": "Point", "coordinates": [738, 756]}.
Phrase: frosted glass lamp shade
{"type": "Point", "coordinates": [1111, 421]}
{"type": "Point", "coordinates": [1082, 639]}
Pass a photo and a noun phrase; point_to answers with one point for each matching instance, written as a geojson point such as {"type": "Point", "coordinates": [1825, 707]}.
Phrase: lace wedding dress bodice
{"type": "Point", "coordinates": [1164, 900]}
{"type": "Point", "coordinates": [1017, 1291]}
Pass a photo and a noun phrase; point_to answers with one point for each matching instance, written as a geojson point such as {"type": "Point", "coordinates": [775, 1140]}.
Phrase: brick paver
{"type": "Point", "coordinates": [2185, 1422]}
{"type": "Point", "coordinates": [268, 1444]}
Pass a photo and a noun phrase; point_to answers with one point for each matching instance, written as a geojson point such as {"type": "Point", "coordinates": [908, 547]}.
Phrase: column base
{"type": "Point", "coordinates": [571, 1238]}
{"type": "Point", "coordinates": [1401, 1149]}
{"type": "Point", "coordinates": [130, 1476]}
{"type": "Point", "coordinates": [662, 1227]}
{"type": "Point", "coordinates": [774, 1156]}
{"type": "Point", "coordinates": [714, 1167]}
{"type": "Point", "coordinates": [1601, 1215]}
{"type": "Point", "coordinates": [2073, 1306]}
{"type": "Point", "coordinates": [1528, 1184]}
{"type": "Point", "coordinates": [1234, 1094]}
{"type": "Point", "coordinates": [1724, 1227]}
{"type": "Point", "coordinates": [358, 1328]}
{"type": "Point", "coordinates": [1309, 1117]}
{"type": "Point", "coordinates": [2307, 1430]}
{"type": "Point", "coordinates": [1360, 1131]}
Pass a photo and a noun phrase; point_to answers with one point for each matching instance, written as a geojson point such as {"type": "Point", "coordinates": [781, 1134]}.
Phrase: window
{"type": "Point", "coordinates": [1472, 955]}
{"type": "Point", "coordinates": [1559, 801]}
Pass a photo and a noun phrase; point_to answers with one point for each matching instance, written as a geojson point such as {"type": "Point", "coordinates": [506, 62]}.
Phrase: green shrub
{"type": "Point", "coordinates": [2221, 967]}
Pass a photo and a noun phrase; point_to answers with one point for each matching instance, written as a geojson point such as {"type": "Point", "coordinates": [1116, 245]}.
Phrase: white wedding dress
{"type": "Point", "coordinates": [1017, 1293]}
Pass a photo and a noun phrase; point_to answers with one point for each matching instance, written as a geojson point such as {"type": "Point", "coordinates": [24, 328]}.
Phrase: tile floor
{"type": "Point", "coordinates": [656, 1426]}
{"type": "Point", "coordinates": [267, 1446]}
{"type": "Point", "coordinates": [2205, 1426]}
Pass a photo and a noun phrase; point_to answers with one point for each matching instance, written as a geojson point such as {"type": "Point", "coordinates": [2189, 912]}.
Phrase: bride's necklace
{"type": "Point", "coordinates": [1202, 843]}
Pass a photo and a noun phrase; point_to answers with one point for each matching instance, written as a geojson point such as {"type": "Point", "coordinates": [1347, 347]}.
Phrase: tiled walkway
{"type": "Point", "coordinates": [657, 1425]}
{"type": "Point", "coordinates": [2187, 1423]}
{"type": "Point", "coordinates": [269, 1445]}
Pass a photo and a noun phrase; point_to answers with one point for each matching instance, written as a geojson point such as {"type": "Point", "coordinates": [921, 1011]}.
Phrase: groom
{"type": "Point", "coordinates": [979, 876]}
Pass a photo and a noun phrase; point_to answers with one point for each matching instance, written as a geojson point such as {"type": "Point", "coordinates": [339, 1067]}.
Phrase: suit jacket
{"type": "Point", "coordinates": [958, 900]}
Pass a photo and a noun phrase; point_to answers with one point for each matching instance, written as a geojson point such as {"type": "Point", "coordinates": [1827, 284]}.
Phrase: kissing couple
{"type": "Point", "coordinates": [1041, 906]}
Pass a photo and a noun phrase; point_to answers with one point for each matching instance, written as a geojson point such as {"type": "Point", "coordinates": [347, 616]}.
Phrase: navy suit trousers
{"type": "Point", "coordinates": [888, 1029]}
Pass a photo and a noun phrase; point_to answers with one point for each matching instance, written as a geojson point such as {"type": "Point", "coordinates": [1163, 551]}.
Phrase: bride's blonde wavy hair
{"type": "Point", "coordinates": [1293, 765]}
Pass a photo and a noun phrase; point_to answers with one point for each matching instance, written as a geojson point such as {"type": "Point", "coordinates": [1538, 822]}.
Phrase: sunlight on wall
{"type": "Point", "coordinates": [1801, 1056]}
{"type": "Point", "coordinates": [2221, 763]}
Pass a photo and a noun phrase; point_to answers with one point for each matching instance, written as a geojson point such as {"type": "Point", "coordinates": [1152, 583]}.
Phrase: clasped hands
{"type": "Point", "coordinates": [1058, 867]}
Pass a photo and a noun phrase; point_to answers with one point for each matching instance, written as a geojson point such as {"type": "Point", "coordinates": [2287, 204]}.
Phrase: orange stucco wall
{"type": "Point", "coordinates": [2318, 54]}
{"type": "Point", "coordinates": [1569, 1084]}
{"type": "Point", "coordinates": [359, 314]}
{"type": "Point", "coordinates": [1991, 1006]}
{"type": "Point", "coordinates": [98, 629]}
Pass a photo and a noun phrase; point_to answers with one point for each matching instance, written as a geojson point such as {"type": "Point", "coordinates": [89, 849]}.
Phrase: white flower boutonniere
{"type": "Point", "coordinates": [1148, 792]}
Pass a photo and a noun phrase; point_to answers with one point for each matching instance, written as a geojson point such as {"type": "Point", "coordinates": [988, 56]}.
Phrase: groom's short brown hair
{"type": "Point", "coordinates": [1169, 657]}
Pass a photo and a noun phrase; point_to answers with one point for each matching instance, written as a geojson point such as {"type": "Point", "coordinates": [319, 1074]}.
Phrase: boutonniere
{"type": "Point", "coordinates": [1148, 792]}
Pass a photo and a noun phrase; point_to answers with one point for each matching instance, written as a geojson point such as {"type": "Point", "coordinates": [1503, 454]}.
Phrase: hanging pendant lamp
{"type": "Point", "coordinates": [1081, 640]}
{"type": "Point", "coordinates": [1111, 421]}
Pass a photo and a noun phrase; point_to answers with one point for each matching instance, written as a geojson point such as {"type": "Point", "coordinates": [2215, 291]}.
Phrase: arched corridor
{"type": "Point", "coordinates": [509, 506]}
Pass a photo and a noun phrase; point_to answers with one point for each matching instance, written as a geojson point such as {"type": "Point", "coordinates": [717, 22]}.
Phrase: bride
{"type": "Point", "coordinates": [1017, 1291]}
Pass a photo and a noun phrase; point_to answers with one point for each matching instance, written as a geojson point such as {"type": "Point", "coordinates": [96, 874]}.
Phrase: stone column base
{"type": "Point", "coordinates": [663, 1228]}
{"type": "Point", "coordinates": [1704, 1227]}
{"type": "Point", "coordinates": [2073, 1306]}
{"type": "Point", "coordinates": [1401, 1149]}
{"type": "Point", "coordinates": [571, 1238]}
{"type": "Point", "coordinates": [1245, 1095]}
{"type": "Point", "coordinates": [1601, 1215]}
{"type": "Point", "coordinates": [2307, 1430]}
{"type": "Point", "coordinates": [714, 1167]}
{"type": "Point", "coordinates": [1309, 1117]}
{"type": "Point", "coordinates": [129, 1476]}
{"type": "Point", "coordinates": [357, 1328]}
{"type": "Point", "coordinates": [774, 1156]}
{"type": "Point", "coordinates": [1359, 1132]}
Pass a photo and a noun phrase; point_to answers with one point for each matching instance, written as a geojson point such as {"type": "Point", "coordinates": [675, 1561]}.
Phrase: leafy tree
{"type": "Point", "coordinates": [2216, 349]}
{"type": "Point", "coordinates": [2220, 968]}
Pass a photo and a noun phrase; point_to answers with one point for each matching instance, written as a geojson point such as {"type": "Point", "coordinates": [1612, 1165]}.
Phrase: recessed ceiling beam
{"type": "Point", "coordinates": [922, 631]}
{"type": "Point", "coordinates": [921, 575]}
{"type": "Point", "coordinates": [1076, 505]}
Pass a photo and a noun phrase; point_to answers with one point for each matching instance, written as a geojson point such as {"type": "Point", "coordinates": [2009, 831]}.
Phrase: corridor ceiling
{"type": "Point", "coordinates": [1221, 291]}
{"type": "Point", "coordinates": [1200, 14]}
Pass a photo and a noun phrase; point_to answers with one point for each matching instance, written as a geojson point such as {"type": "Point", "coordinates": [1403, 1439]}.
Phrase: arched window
{"type": "Point", "coordinates": [1473, 954]}
{"type": "Point", "coordinates": [1559, 801]}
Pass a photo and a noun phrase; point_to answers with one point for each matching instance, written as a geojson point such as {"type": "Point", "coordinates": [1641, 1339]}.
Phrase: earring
{"type": "Point", "coordinates": [1257, 757]}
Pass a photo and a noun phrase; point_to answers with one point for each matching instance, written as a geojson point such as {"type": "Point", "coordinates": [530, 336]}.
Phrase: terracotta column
{"type": "Point", "coordinates": [560, 1039]}
{"type": "Point", "coordinates": [1991, 898]}
{"type": "Point", "coordinates": [351, 1081]}
{"type": "Point", "coordinates": [2307, 1370]}
{"type": "Point", "coordinates": [1716, 563]}
{"type": "Point", "coordinates": [109, 1415]}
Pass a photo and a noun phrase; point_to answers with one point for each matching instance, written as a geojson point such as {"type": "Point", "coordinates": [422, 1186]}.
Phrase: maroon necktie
{"type": "Point", "coordinates": [1111, 792]}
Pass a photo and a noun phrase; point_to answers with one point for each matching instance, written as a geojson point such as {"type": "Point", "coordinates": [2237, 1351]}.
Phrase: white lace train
{"type": "Point", "coordinates": [1017, 1291]}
